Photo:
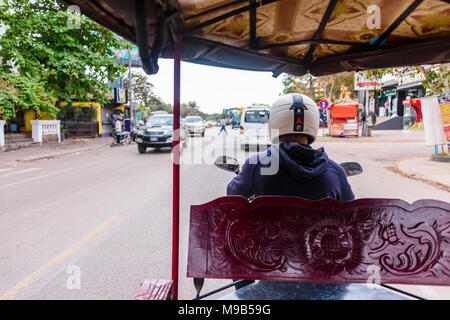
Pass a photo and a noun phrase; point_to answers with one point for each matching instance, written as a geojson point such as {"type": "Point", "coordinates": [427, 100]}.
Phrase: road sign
{"type": "Point", "coordinates": [367, 84]}
{"type": "Point", "coordinates": [364, 82]}
{"type": "Point", "coordinates": [323, 104]}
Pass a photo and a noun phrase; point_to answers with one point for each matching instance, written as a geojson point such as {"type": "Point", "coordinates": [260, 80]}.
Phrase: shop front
{"type": "Point", "coordinates": [408, 95]}
{"type": "Point", "coordinates": [386, 103]}
{"type": "Point", "coordinates": [399, 100]}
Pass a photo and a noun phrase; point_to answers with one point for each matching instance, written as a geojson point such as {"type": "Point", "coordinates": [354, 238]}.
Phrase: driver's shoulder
{"type": "Point", "coordinates": [335, 167]}
{"type": "Point", "coordinates": [335, 170]}
{"type": "Point", "coordinates": [257, 159]}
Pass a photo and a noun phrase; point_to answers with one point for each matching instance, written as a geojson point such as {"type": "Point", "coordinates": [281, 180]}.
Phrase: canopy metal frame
{"type": "Point", "coordinates": [255, 44]}
{"type": "Point", "coordinates": [170, 17]}
{"type": "Point", "coordinates": [165, 19]}
{"type": "Point", "coordinates": [149, 60]}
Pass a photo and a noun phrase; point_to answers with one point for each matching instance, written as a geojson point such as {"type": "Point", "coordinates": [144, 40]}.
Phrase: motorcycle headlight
{"type": "Point", "coordinates": [141, 132]}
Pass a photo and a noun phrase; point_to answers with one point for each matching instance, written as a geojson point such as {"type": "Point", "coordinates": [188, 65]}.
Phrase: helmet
{"type": "Point", "coordinates": [294, 113]}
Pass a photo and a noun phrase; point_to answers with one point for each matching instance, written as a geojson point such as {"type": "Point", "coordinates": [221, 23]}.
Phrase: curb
{"type": "Point", "coordinates": [58, 154]}
{"type": "Point", "coordinates": [440, 158]}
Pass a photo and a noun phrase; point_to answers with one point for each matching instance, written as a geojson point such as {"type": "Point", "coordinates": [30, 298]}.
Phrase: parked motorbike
{"type": "Point", "coordinates": [121, 138]}
{"type": "Point", "coordinates": [133, 134]}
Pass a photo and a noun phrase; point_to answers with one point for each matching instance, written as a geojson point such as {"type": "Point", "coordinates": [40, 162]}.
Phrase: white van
{"type": "Point", "coordinates": [255, 127]}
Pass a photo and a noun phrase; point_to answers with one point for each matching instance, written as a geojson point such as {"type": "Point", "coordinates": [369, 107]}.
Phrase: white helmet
{"type": "Point", "coordinates": [294, 113]}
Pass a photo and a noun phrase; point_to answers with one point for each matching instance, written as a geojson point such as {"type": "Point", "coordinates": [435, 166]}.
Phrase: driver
{"type": "Point", "coordinates": [302, 170]}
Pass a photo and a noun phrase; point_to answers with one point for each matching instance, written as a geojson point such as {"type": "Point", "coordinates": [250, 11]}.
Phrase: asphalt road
{"type": "Point", "coordinates": [105, 215]}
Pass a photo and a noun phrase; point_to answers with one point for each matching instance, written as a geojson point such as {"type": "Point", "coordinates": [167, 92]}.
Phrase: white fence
{"type": "Point", "coordinates": [40, 128]}
{"type": "Point", "coordinates": [2, 133]}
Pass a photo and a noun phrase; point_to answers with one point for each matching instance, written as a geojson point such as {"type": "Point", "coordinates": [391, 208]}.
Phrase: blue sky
{"type": "Point", "coordinates": [216, 88]}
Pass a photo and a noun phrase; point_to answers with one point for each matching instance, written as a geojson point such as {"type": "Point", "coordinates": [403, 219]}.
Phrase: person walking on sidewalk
{"type": "Point", "coordinates": [223, 126]}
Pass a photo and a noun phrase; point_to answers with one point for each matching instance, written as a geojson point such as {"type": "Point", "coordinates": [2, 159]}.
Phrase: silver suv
{"type": "Point", "coordinates": [195, 125]}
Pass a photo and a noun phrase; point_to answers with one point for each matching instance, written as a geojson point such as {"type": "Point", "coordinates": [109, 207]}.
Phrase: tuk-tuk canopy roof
{"type": "Point", "coordinates": [292, 36]}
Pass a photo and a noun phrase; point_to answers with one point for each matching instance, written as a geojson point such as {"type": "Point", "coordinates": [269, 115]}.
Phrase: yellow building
{"type": "Point", "coordinates": [94, 105]}
{"type": "Point", "coordinates": [32, 115]}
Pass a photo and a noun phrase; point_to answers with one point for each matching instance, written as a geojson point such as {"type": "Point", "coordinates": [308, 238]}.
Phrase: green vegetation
{"type": "Point", "coordinates": [331, 87]}
{"type": "Point", "coordinates": [49, 55]}
{"type": "Point", "coordinates": [24, 92]}
{"type": "Point", "coordinates": [434, 78]}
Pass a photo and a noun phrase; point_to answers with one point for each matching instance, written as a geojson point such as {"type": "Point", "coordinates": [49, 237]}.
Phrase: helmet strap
{"type": "Point", "coordinates": [299, 108]}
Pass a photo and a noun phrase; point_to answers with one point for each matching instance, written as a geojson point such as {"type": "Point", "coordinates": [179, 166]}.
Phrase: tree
{"type": "Point", "coordinates": [331, 87]}
{"type": "Point", "coordinates": [191, 109]}
{"type": "Point", "coordinates": [305, 84]}
{"type": "Point", "coordinates": [24, 92]}
{"type": "Point", "coordinates": [143, 91]}
{"type": "Point", "coordinates": [335, 85]}
{"type": "Point", "coordinates": [71, 61]}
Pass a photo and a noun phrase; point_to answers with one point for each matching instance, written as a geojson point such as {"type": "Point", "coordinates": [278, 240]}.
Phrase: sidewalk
{"type": "Point", "coordinates": [423, 169]}
{"type": "Point", "coordinates": [378, 136]}
{"type": "Point", "coordinates": [52, 150]}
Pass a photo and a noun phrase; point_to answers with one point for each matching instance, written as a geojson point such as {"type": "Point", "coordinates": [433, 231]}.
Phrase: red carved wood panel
{"type": "Point", "coordinates": [294, 239]}
{"type": "Point", "coordinates": [154, 289]}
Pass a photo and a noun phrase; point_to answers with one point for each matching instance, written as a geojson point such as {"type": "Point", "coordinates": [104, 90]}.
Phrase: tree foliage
{"type": "Point", "coordinates": [24, 92]}
{"type": "Point", "coordinates": [305, 84]}
{"type": "Point", "coordinates": [143, 93]}
{"type": "Point", "coordinates": [435, 77]}
{"type": "Point", "coordinates": [69, 60]}
{"type": "Point", "coordinates": [329, 87]}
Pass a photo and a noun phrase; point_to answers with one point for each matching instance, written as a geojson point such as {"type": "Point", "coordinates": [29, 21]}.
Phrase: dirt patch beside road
{"type": "Point", "coordinates": [423, 169]}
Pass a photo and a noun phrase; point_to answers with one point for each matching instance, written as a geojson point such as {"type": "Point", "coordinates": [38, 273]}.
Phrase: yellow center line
{"type": "Point", "coordinates": [56, 260]}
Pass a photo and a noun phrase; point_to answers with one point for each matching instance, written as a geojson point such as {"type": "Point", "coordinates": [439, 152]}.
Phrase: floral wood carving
{"type": "Point", "coordinates": [293, 239]}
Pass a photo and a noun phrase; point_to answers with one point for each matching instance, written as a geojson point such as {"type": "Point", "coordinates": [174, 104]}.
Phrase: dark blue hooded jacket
{"type": "Point", "coordinates": [302, 172]}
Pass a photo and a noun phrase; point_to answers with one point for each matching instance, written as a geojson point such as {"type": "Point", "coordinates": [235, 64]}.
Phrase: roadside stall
{"type": "Point", "coordinates": [406, 243]}
{"type": "Point", "coordinates": [344, 119]}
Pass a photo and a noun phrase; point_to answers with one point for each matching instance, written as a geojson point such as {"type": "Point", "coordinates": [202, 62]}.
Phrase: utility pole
{"type": "Point", "coordinates": [130, 91]}
{"type": "Point", "coordinates": [366, 113]}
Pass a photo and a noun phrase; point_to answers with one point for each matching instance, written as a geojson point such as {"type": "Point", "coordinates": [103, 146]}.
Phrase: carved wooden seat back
{"type": "Point", "coordinates": [294, 239]}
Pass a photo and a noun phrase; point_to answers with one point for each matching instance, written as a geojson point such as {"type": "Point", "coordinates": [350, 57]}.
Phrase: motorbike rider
{"type": "Point", "coordinates": [302, 170]}
{"type": "Point", "coordinates": [113, 122]}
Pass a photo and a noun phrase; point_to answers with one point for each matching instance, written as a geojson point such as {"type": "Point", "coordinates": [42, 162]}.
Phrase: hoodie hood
{"type": "Point", "coordinates": [302, 161]}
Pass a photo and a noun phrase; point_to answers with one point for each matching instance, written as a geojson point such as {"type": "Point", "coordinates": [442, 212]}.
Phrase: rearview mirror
{"type": "Point", "coordinates": [351, 168]}
{"type": "Point", "coordinates": [227, 163]}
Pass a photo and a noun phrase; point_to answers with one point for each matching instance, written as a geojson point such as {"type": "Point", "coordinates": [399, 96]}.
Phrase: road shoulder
{"type": "Point", "coordinates": [434, 173]}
